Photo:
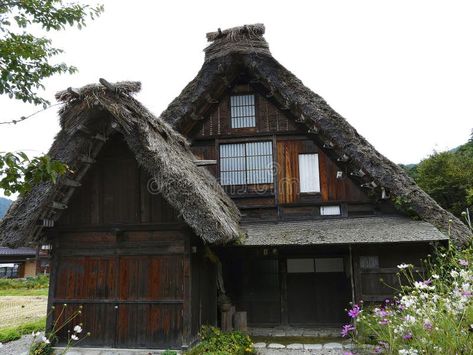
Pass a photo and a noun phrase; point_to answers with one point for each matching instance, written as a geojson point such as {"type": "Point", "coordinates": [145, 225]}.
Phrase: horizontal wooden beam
{"type": "Point", "coordinates": [58, 205]}
{"type": "Point", "coordinates": [70, 182]}
{"type": "Point", "coordinates": [86, 159]}
{"type": "Point", "coordinates": [205, 162]}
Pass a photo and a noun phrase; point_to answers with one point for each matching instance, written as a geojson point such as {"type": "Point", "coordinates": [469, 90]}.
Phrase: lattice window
{"type": "Point", "coordinates": [242, 108]}
{"type": "Point", "coordinates": [246, 163]}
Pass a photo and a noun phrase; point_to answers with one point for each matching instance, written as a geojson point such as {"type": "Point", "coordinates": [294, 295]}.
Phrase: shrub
{"type": "Point", "coordinates": [432, 315]}
{"type": "Point", "coordinates": [215, 342]}
{"type": "Point", "coordinates": [37, 282]}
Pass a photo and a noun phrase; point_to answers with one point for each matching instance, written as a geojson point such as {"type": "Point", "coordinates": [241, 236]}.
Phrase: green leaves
{"type": "Point", "coordinates": [25, 58]}
{"type": "Point", "coordinates": [18, 173]}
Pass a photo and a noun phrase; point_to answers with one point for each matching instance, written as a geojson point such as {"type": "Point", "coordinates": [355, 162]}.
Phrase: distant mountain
{"type": "Point", "coordinates": [4, 204]}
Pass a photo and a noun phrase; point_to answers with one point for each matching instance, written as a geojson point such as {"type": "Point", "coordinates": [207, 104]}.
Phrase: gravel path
{"type": "Point", "coordinates": [17, 347]}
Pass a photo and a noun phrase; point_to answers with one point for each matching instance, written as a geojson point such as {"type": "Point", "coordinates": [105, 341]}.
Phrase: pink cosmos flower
{"type": "Point", "coordinates": [463, 262]}
{"type": "Point", "coordinates": [407, 336]}
{"type": "Point", "coordinates": [354, 312]}
{"type": "Point", "coordinates": [346, 329]}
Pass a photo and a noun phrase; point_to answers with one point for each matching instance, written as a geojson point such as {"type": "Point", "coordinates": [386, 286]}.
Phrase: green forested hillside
{"type": "Point", "coordinates": [4, 204]}
{"type": "Point", "coordinates": [447, 177]}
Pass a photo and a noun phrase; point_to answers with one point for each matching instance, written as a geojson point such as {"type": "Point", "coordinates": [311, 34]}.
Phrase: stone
{"type": "Point", "coordinates": [310, 333]}
{"type": "Point", "coordinates": [278, 333]}
{"type": "Point", "coordinates": [259, 345]}
{"type": "Point", "coordinates": [276, 346]}
{"type": "Point", "coordinates": [330, 346]}
{"type": "Point", "coordinates": [313, 346]}
{"type": "Point", "coordinates": [295, 346]}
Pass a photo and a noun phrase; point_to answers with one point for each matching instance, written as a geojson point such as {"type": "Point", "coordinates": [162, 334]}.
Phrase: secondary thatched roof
{"type": "Point", "coordinates": [244, 49]}
{"type": "Point", "coordinates": [92, 113]}
{"type": "Point", "coordinates": [364, 230]}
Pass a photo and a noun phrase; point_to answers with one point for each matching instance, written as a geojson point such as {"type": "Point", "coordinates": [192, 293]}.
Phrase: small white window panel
{"type": "Point", "coordinates": [330, 211]}
{"type": "Point", "coordinates": [300, 266]}
{"type": "Point", "coordinates": [309, 176]}
{"type": "Point", "coordinates": [246, 163]}
{"type": "Point", "coordinates": [242, 111]}
{"type": "Point", "coordinates": [369, 262]}
{"type": "Point", "coordinates": [329, 265]}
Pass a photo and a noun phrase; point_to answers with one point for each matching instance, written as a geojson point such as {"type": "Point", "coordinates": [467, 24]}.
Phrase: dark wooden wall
{"type": "Point", "coordinates": [122, 253]}
{"type": "Point", "coordinates": [117, 191]}
{"type": "Point", "coordinates": [282, 199]}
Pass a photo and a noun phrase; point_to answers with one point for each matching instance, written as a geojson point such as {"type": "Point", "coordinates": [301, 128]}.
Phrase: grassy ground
{"type": "Point", "coordinates": [18, 310]}
{"type": "Point", "coordinates": [24, 292]}
{"type": "Point", "coordinates": [14, 333]}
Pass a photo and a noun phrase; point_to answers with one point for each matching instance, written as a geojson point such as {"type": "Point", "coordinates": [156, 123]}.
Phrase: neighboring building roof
{"type": "Point", "coordinates": [244, 49]}
{"type": "Point", "coordinates": [88, 117]}
{"type": "Point", "coordinates": [341, 231]}
{"type": "Point", "coordinates": [17, 251]}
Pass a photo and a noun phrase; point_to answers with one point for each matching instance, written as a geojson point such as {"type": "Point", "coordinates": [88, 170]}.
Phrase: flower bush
{"type": "Point", "coordinates": [42, 345]}
{"type": "Point", "coordinates": [215, 342]}
{"type": "Point", "coordinates": [430, 315]}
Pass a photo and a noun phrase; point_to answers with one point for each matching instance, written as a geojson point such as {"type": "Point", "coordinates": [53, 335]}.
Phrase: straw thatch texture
{"type": "Point", "coordinates": [158, 148]}
{"type": "Point", "coordinates": [234, 56]}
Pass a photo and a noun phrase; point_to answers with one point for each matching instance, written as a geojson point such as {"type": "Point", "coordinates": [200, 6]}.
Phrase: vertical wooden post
{"type": "Point", "coordinates": [53, 265]}
{"type": "Point", "coordinates": [186, 310]}
{"type": "Point", "coordinates": [352, 277]}
{"type": "Point", "coordinates": [357, 275]}
{"type": "Point", "coordinates": [283, 290]}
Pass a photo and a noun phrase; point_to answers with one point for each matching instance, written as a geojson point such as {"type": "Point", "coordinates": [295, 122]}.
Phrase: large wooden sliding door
{"type": "Point", "coordinates": [131, 298]}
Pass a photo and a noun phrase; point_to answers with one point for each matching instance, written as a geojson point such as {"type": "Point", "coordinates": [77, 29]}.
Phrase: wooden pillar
{"type": "Point", "coordinates": [356, 274]}
{"type": "Point", "coordinates": [283, 288]}
{"type": "Point", "coordinates": [186, 310]}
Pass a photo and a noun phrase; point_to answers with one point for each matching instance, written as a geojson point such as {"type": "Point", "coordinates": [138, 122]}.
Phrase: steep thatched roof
{"type": "Point", "coordinates": [244, 50]}
{"type": "Point", "coordinates": [88, 117]}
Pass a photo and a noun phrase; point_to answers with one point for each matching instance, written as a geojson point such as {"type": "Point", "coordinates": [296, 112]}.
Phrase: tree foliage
{"type": "Point", "coordinates": [24, 57]}
{"type": "Point", "coordinates": [18, 173]}
{"type": "Point", "coordinates": [448, 177]}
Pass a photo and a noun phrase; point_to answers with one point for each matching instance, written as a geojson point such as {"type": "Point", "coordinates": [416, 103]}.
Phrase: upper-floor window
{"type": "Point", "coordinates": [242, 111]}
{"type": "Point", "coordinates": [309, 177]}
{"type": "Point", "coordinates": [246, 163]}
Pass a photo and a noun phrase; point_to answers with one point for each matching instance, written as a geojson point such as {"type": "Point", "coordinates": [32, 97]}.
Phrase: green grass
{"type": "Point", "coordinates": [14, 333]}
{"type": "Point", "coordinates": [24, 292]}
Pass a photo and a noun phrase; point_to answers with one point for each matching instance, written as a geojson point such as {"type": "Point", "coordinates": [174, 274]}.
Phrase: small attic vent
{"type": "Point", "coordinates": [242, 108]}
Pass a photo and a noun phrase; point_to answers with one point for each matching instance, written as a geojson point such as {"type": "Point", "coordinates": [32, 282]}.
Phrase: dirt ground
{"type": "Point", "coordinates": [16, 310]}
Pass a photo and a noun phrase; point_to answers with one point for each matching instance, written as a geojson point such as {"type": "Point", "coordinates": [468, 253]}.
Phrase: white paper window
{"type": "Point", "coordinates": [300, 265]}
{"type": "Point", "coordinates": [246, 163]}
{"type": "Point", "coordinates": [309, 176]}
{"type": "Point", "coordinates": [330, 211]}
{"type": "Point", "coordinates": [329, 265]}
{"type": "Point", "coordinates": [242, 111]}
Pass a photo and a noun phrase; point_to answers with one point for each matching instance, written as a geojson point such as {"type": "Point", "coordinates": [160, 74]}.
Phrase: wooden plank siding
{"type": "Point", "coordinates": [282, 199]}
{"type": "Point", "coordinates": [121, 252]}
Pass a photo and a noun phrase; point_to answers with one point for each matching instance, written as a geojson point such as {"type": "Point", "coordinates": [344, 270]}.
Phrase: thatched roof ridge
{"type": "Point", "coordinates": [242, 39]}
{"type": "Point", "coordinates": [158, 148]}
{"type": "Point", "coordinates": [314, 112]}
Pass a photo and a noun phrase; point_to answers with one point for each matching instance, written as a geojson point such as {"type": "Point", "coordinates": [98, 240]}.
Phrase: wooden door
{"type": "Point", "coordinates": [150, 301]}
{"type": "Point", "coordinates": [128, 301]}
{"type": "Point", "coordinates": [318, 291]}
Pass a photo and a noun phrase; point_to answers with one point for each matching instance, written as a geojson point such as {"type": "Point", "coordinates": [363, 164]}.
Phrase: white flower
{"type": "Point", "coordinates": [74, 337]}
{"type": "Point", "coordinates": [420, 285]}
{"type": "Point", "coordinates": [403, 266]}
{"type": "Point", "coordinates": [410, 319]}
{"type": "Point", "coordinates": [45, 340]}
{"type": "Point", "coordinates": [78, 329]}
{"type": "Point", "coordinates": [435, 276]}
{"type": "Point", "coordinates": [454, 273]}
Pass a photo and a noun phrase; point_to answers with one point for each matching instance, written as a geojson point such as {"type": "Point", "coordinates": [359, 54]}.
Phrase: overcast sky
{"type": "Point", "coordinates": [401, 72]}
